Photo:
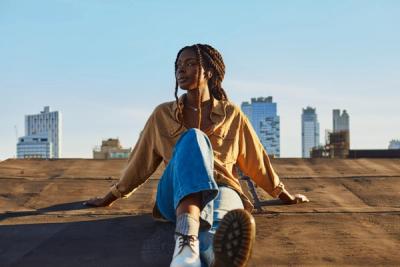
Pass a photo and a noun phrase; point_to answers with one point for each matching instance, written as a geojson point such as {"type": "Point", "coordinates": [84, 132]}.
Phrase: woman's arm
{"type": "Point", "coordinates": [253, 160]}
{"type": "Point", "coordinates": [143, 161]}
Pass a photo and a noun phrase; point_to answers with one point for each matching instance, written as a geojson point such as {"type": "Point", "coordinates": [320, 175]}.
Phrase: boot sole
{"type": "Point", "coordinates": [233, 241]}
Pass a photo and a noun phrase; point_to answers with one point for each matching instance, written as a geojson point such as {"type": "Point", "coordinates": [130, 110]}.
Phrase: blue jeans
{"type": "Point", "coordinates": [189, 171]}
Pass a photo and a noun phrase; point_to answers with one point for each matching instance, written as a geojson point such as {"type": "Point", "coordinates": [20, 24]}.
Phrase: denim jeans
{"type": "Point", "coordinates": [189, 171]}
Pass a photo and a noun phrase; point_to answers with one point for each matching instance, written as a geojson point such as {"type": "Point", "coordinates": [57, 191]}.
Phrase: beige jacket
{"type": "Point", "coordinates": [234, 141]}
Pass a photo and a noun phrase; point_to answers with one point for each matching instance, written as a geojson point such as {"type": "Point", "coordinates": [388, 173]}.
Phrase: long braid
{"type": "Point", "coordinates": [200, 60]}
{"type": "Point", "coordinates": [212, 99]}
{"type": "Point", "coordinates": [216, 63]}
{"type": "Point", "coordinates": [179, 108]}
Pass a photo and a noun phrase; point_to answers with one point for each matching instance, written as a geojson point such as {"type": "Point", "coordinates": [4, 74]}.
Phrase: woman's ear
{"type": "Point", "coordinates": [208, 74]}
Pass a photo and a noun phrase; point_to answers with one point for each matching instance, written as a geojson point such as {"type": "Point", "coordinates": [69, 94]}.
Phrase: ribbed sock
{"type": "Point", "coordinates": [186, 224]}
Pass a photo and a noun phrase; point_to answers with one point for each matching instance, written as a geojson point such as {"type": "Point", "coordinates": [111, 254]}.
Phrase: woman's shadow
{"type": "Point", "coordinates": [85, 242]}
{"type": "Point", "coordinates": [77, 205]}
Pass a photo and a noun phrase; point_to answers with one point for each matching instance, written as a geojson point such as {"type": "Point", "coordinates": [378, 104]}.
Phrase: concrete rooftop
{"type": "Point", "coordinates": [353, 218]}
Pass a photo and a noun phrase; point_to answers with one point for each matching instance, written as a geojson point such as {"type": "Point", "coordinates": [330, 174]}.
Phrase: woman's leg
{"type": "Point", "coordinates": [190, 204]}
{"type": "Point", "coordinates": [227, 200]}
{"type": "Point", "coordinates": [185, 193]}
{"type": "Point", "coordinates": [187, 184]}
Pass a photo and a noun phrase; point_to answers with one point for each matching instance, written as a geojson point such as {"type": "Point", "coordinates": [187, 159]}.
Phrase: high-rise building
{"type": "Point", "coordinates": [341, 133]}
{"type": "Point", "coordinates": [42, 131]}
{"type": "Point", "coordinates": [309, 131]}
{"type": "Point", "coordinates": [262, 113]}
{"type": "Point", "coordinates": [341, 122]}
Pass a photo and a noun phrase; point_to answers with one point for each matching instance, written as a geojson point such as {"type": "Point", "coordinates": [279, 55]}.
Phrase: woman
{"type": "Point", "coordinates": [204, 140]}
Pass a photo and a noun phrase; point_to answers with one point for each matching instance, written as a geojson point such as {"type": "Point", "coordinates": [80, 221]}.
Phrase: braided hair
{"type": "Point", "coordinates": [211, 60]}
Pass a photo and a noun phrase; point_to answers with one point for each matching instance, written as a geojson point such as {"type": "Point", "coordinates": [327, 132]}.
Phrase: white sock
{"type": "Point", "coordinates": [186, 224]}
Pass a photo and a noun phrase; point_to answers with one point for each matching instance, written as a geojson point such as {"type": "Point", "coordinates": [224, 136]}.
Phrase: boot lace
{"type": "Point", "coordinates": [186, 240]}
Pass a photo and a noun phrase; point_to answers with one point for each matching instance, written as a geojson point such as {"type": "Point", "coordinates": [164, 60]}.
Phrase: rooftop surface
{"type": "Point", "coordinates": [353, 218]}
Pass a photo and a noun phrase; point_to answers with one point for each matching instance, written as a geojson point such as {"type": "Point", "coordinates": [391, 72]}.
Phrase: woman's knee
{"type": "Point", "coordinates": [194, 133]}
{"type": "Point", "coordinates": [193, 136]}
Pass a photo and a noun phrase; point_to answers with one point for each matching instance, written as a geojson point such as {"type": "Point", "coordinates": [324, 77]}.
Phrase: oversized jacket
{"type": "Point", "coordinates": [234, 141]}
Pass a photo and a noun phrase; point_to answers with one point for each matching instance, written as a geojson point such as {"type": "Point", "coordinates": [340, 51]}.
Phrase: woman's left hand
{"type": "Point", "coordinates": [299, 198]}
{"type": "Point", "coordinates": [288, 199]}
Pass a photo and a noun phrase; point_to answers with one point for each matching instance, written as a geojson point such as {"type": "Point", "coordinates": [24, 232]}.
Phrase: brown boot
{"type": "Point", "coordinates": [233, 241]}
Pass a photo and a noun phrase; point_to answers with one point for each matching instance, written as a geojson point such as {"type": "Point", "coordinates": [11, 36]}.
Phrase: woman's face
{"type": "Point", "coordinates": [187, 71]}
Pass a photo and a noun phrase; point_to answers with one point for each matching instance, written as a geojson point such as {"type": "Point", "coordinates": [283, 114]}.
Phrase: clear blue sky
{"type": "Point", "coordinates": [106, 64]}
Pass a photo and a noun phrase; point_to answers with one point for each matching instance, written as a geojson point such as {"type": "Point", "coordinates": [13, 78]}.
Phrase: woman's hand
{"type": "Point", "coordinates": [299, 198]}
{"type": "Point", "coordinates": [105, 201]}
{"type": "Point", "coordinates": [289, 199]}
{"type": "Point", "coordinates": [96, 202]}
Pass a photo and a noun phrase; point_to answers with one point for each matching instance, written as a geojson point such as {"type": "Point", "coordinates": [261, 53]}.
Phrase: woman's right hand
{"type": "Point", "coordinates": [96, 202]}
{"type": "Point", "coordinates": [101, 201]}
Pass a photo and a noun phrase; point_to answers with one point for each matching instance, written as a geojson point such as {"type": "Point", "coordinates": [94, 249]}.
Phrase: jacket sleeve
{"type": "Point", "coordinates": [254, 162]}
{"type": "Point", "coordinates": [142, 163]}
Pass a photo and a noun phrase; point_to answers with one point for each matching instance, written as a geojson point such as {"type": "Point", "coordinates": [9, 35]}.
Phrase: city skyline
{"type": "Point", "coordinates": [106, 65]}
{"type": "Point", "coordinates": [335, 112]}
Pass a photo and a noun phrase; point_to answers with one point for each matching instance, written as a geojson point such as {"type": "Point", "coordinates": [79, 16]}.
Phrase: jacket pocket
{"type": "Point", "coordinates": [223, 143]}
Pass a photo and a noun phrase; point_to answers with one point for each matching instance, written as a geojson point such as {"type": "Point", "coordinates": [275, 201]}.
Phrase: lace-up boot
{"type": "Point", "coordinates": [234, 239]}
{"type": "Point", "coordinates": [186, 251]}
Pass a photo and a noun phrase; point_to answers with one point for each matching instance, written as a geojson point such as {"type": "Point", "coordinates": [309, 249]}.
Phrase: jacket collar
{"type": "Point", "coordinates": [217, 116]}
{"type": "Point", "coordinates": [218, 107]}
